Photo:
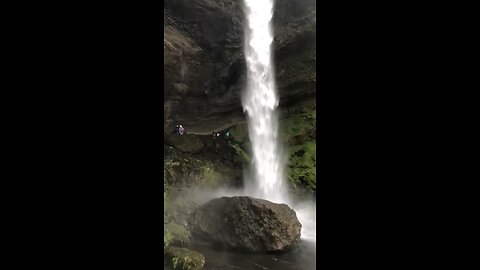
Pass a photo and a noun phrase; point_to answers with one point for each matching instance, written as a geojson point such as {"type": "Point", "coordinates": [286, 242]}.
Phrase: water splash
{"type": "Point", "coordinates": [260, 101]}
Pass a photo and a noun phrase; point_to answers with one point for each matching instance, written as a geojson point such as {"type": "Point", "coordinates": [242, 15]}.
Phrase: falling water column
{"type": "Point", "coordinates": [260, 101]}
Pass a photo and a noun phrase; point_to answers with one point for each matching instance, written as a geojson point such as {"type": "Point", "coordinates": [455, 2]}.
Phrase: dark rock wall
{"type": "Point", "coordinates": [205, 66]}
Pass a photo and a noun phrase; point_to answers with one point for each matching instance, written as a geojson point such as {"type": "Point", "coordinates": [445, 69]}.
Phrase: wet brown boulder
{"type": "Point", "coordinates": [246, 224]}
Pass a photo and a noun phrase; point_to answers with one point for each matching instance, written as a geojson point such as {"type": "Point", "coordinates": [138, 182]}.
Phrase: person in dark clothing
{"type": "Point", "coordinates": [181, 130]}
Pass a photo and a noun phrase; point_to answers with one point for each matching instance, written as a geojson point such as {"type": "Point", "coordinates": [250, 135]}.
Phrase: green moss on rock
{"type": "Point", "coordinates": [298, 123]}
{"type": "Point", "coordinates": [197, 171]}
{"type": "Point", "coordinates": [188, 143]}
{"type": "Point", "coordinates": [167, 239]}
{"type": "Point", "coordinates": [209, 175]}
{"type": "Point", "coordinates": [299, 132]}
{"type": "Point", "coordinates": [176, 211]}
{"type": "Point", "coordinates": [302, 165]}
{"type": "Point", "coordinates": [241, 153]}
{"type": "Point", "coordinates": [176, 235]}
{"type": "Point", "coordinates": [240, 142]}
{"type": "Point", "coordinates": [183, 258]}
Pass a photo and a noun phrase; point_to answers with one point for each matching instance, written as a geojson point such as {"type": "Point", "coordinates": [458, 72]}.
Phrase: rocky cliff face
{"type": "Point", "coordinates": [205, 66]}
{"type": "Point", "coordinates": [204, 75]}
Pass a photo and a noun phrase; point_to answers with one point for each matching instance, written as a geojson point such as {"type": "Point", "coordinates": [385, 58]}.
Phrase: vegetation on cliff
{"type": "Point", "coordinates": [299, 132]}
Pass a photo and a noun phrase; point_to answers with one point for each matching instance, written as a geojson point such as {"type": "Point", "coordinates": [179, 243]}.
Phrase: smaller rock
{"type": "Point", "coordinates": [184, 259]}
{"type": "Point", "coordinates": [175, 235]}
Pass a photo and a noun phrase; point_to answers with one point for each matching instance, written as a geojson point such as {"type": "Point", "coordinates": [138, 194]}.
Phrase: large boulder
{"type": "Point", "coordinates": [246, 224]}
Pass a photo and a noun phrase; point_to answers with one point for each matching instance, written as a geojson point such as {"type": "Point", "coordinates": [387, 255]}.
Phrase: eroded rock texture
{"type": "Point", "coordinates": [246, 224]}
{"type": "Point", "coordinates": [205, 66]}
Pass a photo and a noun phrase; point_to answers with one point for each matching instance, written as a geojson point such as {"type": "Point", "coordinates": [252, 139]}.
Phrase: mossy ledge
{"type": "Point", "coordinates": [298, 133]}
{"type": "Point", "coordinates": [298, 125]}
{"type": "Point", "coordinates": [183, 259]}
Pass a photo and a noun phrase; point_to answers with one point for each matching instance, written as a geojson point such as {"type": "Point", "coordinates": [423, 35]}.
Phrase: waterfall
{"type": "Point", "coordinates": [259, 101]}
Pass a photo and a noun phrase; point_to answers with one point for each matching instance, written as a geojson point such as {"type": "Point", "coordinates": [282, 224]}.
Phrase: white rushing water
{"type": "Point", "coordinates": [260, 101]}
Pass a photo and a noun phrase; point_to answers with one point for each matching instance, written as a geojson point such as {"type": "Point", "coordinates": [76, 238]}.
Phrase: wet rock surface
{"type": "Point", "coordinates": [246, 224]}
{"type": "Point", "coordinates": [205, 66]}
{"type": "Point", "coordinates": [183, 259]}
